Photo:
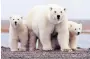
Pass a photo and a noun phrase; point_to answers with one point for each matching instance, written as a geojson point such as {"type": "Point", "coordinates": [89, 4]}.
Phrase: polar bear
{"type": "Point", "coordinates": [75, 29]}
{"type": "Point", "coordinates": [43, 19]}
{"type": "Point", "coordinates": [18, 32]}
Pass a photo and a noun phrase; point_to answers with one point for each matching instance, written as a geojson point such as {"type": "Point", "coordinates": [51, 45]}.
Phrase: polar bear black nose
{"type": "Point", "coordinates": [78, 33]}
{"type": "Point", "coordinates": [58, 17]}
{"type": "Point", "coordinates": [15, 23]}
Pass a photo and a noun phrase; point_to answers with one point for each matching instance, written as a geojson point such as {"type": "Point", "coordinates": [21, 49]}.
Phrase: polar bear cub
{"type": "Point", "coordinates": [18, 32]}
{"type": "Point", "coordinates": [75, 29]}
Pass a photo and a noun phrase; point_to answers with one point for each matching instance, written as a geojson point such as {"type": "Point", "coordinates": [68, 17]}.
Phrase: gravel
{"type": "Point", "coordinates": [79, 54]}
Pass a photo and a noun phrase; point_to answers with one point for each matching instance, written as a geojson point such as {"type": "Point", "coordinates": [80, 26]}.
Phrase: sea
{"type": "Point", "coordinates": [83, 40]}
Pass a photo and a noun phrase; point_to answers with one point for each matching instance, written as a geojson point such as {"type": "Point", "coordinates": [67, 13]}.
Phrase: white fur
{"type": "Point", "coordinates": [62, 28]}
{"type": "Point", "coordinates": [17, 32]}
{"type": "Point", "coordinates": [42, 20]}
{"type": "Point", "coordinates": [74, 28]}
{"type": "Point", "coordinates": [63, 34]}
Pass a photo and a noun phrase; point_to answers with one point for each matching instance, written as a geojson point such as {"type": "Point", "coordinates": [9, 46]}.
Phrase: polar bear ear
{"type": "Point", "coordinates": [51, 8]}
{"type": "Point", "coordinates": [10, 17]}
{"type": "Point", "coordinates": [70, 25]}
{"type": "Point", "coordinates": [21, 17]}
{"type": "Point", "coordinates": [64, 9]}
{"type": "Point", "coordinates": [80, 24]}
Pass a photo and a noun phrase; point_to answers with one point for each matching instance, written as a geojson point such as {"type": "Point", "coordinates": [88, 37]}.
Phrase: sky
{"type": "Point", "coordinates": [76, 9]}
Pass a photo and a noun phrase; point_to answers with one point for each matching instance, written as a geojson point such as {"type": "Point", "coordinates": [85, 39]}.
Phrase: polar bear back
{"type": "Point", "coordinates": [37, 14]}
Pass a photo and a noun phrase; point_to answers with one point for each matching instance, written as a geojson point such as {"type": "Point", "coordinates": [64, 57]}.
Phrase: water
{"type": "Point", "coordinates": [83, 40]}
{"type": "Point", "coordinates": [4, 39]}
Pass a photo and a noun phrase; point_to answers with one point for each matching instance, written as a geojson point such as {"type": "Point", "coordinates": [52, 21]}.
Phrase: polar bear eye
{"type": "Point", "coordinates": [54, 11]}
{"type": "Point", "coordinates": [75, 28]}
{"type": "Point", "coordinates": [13, 19]}
{"type": "Point", "coordinates": [79, 28]}
{"type": "Point", "coordinates": [60, 11]}
{"type": "Point", "coordinates": [17, 19]}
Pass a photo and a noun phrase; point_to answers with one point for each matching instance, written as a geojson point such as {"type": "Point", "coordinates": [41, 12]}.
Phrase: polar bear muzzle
{"type": "Point", "coordinates": [78, 33]}
{"type": "Point", "coordinates": [58, 17]}
{"type": "Point", "coordinates": [15, 23]}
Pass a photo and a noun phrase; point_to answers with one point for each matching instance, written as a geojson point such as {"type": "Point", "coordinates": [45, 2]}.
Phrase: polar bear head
{"type": "Point", "coordinates": [75, 28]}
{"type": "Point", "coordinates": [56, 13]}
{"type": "Point", "coordinates": [16, 20]}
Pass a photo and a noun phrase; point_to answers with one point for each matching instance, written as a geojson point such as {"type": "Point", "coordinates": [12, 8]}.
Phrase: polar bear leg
{"type": "Point", "coordinates": [55, 44]}
{"type": "Point", "coordinates": [63, 41]}
{"type": "Point", "coordinates": [32, 41]}
{"type": "Point", "coordinates": [53, 41]}
{"type": "Point", "coordinates": [23, 45]}
{"type": "Point", "coordinates": [45, 40]}
{"type": "Point", "coordinates": [39, 45]}
{"type": "Point", "coordinates": [14, 45]}
{"type": "Point", "coordinates": [23, 41]}
{"type": "Point", "coordinates": [72, 43]}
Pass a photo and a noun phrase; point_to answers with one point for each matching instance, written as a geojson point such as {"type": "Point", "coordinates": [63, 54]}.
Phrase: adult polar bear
{"type": "Point", "coordinates": [43, 19]}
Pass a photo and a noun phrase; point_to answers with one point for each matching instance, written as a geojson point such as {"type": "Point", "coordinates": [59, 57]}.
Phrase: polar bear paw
{"type": "Point", "coordinates": [74, 49]}
{"type": "Point", "coordinates": [66, 50]}
{"type": "Point", "coordinates": [39, 48]}
{"type": "Point", "coordinates": [46, 48]}
{"type": "Point", "coordinates": [14, 50]}
{"type": "Point", "coordinates": [32, 49]}
{"type": "Point", "coordinates": [22, 49]}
